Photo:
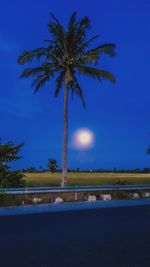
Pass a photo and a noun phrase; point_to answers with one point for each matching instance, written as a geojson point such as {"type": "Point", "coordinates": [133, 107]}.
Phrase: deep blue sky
{"type": "Point", "coordinates": [119, 114]}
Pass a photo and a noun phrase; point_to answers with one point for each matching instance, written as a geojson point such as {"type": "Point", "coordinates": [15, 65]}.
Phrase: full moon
{"type": "Point", "coordinates": [83, 139]}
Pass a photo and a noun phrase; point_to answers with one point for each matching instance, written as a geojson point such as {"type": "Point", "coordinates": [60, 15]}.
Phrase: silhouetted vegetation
{"type": "Point", "coordinates": [8, 178]}
{"type": "Point", "coordinates": [66, 54]}
{"type": "Point", "coordinates": [52, 165]}
{"type": "Point", "coordinates": [77, 170]}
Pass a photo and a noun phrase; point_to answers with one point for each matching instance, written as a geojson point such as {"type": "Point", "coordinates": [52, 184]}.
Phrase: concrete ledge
{"type": "Point", "coordinates": [72, 206]}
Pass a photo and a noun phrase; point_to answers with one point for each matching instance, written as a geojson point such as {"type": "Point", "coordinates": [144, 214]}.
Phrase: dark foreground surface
{"type": "Point", "coordinates": [93, 238]}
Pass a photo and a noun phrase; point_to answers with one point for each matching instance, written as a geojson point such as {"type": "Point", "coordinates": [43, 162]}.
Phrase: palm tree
{"type": "Point", "coordinates": [66, 55]}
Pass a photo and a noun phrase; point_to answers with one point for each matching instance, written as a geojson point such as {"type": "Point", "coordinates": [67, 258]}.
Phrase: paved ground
{"type": "Point", "coordinates": [90, 238]}
{"type": "Point", "coordinates": [71, 206]}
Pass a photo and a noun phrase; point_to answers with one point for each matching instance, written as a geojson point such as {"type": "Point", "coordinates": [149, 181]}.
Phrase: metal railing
{"type": "Point", "coordinates": [74, 189]}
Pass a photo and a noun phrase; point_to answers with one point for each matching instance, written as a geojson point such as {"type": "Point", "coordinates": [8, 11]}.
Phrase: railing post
{"type": "Point", "coordinates": [75, 196]}
{"type": "Point", "coordinates": [26, 190]}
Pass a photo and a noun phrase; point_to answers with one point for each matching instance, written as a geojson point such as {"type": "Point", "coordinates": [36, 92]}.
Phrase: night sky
{"type": "Point", "coordinates": [118, 115]}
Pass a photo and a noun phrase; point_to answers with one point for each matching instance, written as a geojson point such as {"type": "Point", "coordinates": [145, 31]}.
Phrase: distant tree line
{"type": "Point", "coordinates": [53, 168]}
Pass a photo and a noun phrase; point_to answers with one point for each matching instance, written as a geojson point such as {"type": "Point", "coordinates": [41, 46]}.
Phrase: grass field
{"type": "Point", "coordinates": [48, 179]}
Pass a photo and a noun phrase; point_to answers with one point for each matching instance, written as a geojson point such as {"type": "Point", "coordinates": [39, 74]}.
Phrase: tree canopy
{"type": "Point", "coordinates": [67, 55]}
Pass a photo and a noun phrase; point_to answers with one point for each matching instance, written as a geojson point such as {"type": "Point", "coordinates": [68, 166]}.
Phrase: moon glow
{"type": "Point", "coordinates": [83, 139]}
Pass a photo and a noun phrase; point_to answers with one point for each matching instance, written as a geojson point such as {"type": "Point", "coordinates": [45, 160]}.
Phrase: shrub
{"type": "Point", "coordinates": [4, 199]}
{"type": "Point", "coordinates": [8, 178]}
{"type": "Point", "coordinates": [13, 179]}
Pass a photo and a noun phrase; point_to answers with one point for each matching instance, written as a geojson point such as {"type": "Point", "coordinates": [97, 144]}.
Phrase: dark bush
{"type": "Point", "coordinates": [13, 179]}
{"type": "Point", "coordinates": [8, 178]}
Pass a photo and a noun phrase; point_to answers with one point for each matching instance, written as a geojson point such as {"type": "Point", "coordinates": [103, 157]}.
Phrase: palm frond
{"type": "Point", "coordinates": [75, 87]}
{"type": "Point", "coordinates": [72, 25]}
{"type": "Point", "coordinates": [58, 33]}
{"type": "Point", "coordinates": [76, 34]}
{"type": "Point", "coordinates": [59, 82]}
{"type": "Point", "coordinates": [41, 74]}
{"type": "Point", "coordinates": [79, 92]}
{"type": "Point", "coordinates": [96, 73]}
{"type": "Point", "coordinates": [46, 68]}
{"type": "Point", "coordinates": [108, 49]}
{"type": "Point", "coordinates": [83, 26]}
{"type": "Point", "coordinates": [28, 56]}
{"type": "Point", "coordinates": [30, 72]}
{"type": "Point", "coordinates": [39, 82]}
{"type": "Point", "coordinates": [85, 44]}
{"type": "Point", "coordinates": [93, 55]}
{"type": "Point", "coordinates": [71, 32]}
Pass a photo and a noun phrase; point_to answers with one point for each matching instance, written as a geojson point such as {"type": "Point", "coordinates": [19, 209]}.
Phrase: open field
{"type": "Point", "coordinates": [48, 179]}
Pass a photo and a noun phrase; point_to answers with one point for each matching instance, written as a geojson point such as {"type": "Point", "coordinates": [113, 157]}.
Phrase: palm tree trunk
{"type": "Point", "coordinates": [65, 138]}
